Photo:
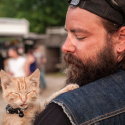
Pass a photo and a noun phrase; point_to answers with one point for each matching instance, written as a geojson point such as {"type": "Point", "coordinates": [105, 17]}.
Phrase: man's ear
{"type": "Point", "coordinates": [121, 44]}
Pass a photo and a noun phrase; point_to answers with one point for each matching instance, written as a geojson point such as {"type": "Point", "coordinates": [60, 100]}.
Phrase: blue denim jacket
{"type": "Point", "coordinates": [101, 102]}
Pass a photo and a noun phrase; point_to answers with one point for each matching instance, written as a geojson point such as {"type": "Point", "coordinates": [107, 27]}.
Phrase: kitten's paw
{"type": "Point", "coordinates": [72, 87]}
{"type": "Point", "coordinates": [66, 89]}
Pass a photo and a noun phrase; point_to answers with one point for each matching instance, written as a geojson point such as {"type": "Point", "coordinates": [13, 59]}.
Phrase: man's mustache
{"type": "Point", "coordinates": [72, 60]}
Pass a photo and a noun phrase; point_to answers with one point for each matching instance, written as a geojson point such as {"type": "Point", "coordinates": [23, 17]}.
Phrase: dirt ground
{"type": "Point", "coordinates": [54, 83]}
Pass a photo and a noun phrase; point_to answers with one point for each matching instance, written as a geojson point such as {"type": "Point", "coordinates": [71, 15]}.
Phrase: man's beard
{"type": "Point", "coordinates": [82, 74]}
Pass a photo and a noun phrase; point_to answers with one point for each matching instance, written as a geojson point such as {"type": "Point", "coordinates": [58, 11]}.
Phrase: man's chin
{"type": "Point", "coordinates": [88, 74]}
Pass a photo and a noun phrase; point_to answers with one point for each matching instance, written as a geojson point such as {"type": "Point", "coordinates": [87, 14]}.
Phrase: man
{"type": "Point", "coordinates": [95, 51]}
{"type": "Point", "coordinates": [16, 63]}
{"type": "Point", "coordinates": [30, 65]}
{"type": "Point", "coordinates": [40, 60]}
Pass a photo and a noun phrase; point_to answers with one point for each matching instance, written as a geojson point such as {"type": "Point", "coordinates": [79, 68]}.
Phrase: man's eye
{"type": "Point", "coordinates": [80, 38]}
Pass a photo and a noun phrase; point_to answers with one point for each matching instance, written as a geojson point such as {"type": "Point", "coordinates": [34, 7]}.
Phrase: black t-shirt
{"type": "Point", "coordinates": [1, 62]}
{"type": "Point", "coordinates": [52, 115]}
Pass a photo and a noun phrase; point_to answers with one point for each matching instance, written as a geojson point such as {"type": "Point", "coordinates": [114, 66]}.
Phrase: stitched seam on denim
{"type": "Point", "coordinates": [68, 109]}
{"type": "Point", "coordinates": [102, 117]}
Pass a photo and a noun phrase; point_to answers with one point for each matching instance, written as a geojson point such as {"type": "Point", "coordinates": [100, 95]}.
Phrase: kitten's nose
{"type": "Point", "coordinates": [23, 99]}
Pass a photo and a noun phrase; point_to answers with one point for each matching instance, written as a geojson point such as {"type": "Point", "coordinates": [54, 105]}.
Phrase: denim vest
{"type": "Point", "coordinates": [101, 102]}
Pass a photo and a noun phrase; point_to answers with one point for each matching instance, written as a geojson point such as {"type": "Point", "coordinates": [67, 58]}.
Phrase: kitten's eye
{"type": "Point", "coordinates": [14, 93]}
{"type": "Point", "coordinates": [28, 92]}
{"type": "Point", "coordinates": [12, 96]}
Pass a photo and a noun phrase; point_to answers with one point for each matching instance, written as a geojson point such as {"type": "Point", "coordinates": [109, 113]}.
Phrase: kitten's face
{"type": "Point", "coordinates": [20, 92]}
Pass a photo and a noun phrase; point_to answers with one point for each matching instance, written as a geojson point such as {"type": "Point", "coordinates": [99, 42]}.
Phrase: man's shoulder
{"type": "Point", "coordinates": [106, 90]}
{"type": "Point", "coordinates": [99, 99]}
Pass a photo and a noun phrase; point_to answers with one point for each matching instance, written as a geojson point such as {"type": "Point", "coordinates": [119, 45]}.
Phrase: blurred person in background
{"type": "Point", "coordinates": [40, 60]}
{"type": "Point", "coordinates": [1, 62]}
{"type": "Point", "coordinates": [30, 65]}
{"type": "Point", "coordinates": [16, 62]}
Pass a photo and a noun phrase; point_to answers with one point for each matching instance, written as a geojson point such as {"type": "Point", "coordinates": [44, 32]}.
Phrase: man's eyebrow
{"type": "Point", "coordinates": [79, 31]}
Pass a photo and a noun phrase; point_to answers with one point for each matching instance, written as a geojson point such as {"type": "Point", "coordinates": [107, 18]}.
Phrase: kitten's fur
{"type": "Point", "coordinates": [22, 92]}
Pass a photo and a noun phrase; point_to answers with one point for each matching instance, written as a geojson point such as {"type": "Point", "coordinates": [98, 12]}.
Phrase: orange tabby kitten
{"type": "Point", "coordinates": [21, 94]}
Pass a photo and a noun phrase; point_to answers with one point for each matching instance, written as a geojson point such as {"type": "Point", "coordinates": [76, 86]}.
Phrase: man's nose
{"type": "Point", "coordinates": [68, 47]}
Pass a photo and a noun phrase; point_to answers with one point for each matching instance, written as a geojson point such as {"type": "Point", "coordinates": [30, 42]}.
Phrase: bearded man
{"type": "Point", "coordinates": [95, 52]}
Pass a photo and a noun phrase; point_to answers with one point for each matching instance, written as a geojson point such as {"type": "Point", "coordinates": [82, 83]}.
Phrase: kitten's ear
{"type": "Point", "coordinates": [5, 79]}
{"type": "Point", "coordinates": [35, 77]}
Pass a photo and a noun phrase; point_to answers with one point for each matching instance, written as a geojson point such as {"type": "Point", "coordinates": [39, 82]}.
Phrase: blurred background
{"type": "Point", "coordinates": [31, 36]}
{"type": "Point", "coordinates": [28, 24]}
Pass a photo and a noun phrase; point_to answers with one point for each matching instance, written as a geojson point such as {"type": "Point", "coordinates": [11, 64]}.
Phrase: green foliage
{"type": "Point", "coordinates": [40, 13]}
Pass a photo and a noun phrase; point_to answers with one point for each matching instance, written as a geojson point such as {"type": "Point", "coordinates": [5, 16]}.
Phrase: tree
{"type": "Point", "coordinates": [40, 13]}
